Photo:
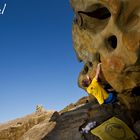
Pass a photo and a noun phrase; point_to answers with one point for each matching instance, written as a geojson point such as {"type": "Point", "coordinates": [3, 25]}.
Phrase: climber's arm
{"type": "Point", "coordinates": [98, 71]}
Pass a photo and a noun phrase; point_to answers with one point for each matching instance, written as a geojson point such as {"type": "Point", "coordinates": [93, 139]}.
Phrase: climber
{"type": "Point", "coordinates": [94, 88]}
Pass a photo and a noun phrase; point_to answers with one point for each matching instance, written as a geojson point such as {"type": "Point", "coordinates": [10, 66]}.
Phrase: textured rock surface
{"type": "Point", "coordinates": [14, 130]}
{"type": "Point", "coordinates": [39, 131]}
{"type": "Point", "coordinates": [108, 31]}
{"type": "Point", "coordinates": [68, 123]}
{"type": "Point", "coordinates": [50, 125]}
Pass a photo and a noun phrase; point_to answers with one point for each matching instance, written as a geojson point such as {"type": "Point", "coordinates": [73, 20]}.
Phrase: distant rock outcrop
{"type": "Point", "coordinates": [14, 130]}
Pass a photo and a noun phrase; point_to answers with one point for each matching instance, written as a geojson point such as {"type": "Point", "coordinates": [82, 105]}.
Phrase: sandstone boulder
{"type": "Point", "coordinates": [108, 31]}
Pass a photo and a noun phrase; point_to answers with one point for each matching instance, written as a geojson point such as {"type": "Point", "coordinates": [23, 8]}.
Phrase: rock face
{"type": "Point", "coordinates": [15, 130]}
{"type": "Point", "coordinates": [108, 31]}
{"type": "Point", "coordinates": [69, 123]}
{"type": "Point", "coordinates": [51, 125]}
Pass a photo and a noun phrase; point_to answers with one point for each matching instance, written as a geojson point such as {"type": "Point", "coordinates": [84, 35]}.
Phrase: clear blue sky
{"type": "Point", "coordinates": [38, 64]}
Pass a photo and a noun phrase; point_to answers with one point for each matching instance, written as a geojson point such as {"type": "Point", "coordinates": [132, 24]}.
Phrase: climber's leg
{"type": "Point", "coordinates": [111, 99]}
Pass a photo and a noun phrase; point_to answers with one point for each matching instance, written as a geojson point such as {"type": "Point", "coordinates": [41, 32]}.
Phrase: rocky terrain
{"type": "Point", "coordinates": [66, 124]}
{"type": "Point", "coordinates": [14, 130]}
{"type": "Point", "coordinates": [106, 31]}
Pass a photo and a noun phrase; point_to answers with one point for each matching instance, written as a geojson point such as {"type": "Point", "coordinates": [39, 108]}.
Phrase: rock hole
{"type": "Point", "coordinates": [100, 13]}
{"type": "Point", "coordinates": [112, 40]}
{"type": "Point", "coordinates": [90, 64]}
{"type": "Point", "coordinates": [98, 57]}
{"type": "Point", "coordinates": [85, 71]}
{"type": "Point", "coordinates": [136, 91]}
{"type": "Point", "coordinates": [78, 19]}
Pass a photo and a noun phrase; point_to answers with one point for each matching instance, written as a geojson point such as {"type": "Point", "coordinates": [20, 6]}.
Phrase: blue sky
{"type": "Point", "coordinates": [38, 64]}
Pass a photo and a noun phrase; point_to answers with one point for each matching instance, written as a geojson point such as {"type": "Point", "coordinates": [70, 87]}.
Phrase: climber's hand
{"type": "Point", "coordinates": [88, 77]}
{"type": "Point", "coordinates": [99, 64]}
